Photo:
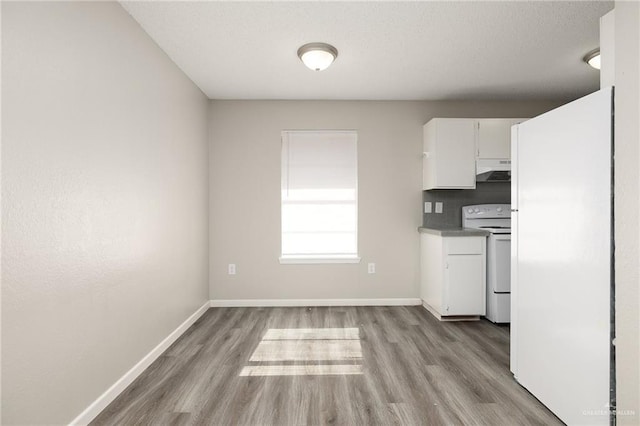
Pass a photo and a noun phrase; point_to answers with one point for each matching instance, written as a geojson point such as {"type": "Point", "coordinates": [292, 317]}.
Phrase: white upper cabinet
{"type": "Point", "coordinates": [494, 137]}
{"type": "Point", "coordinates": [452, 146]}
{"type": "Point", "coordinates": [449, 154]}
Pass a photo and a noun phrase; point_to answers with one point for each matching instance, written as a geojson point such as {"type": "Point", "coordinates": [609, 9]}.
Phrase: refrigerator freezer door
{"type": "Point", "coordinates": [562, 258]}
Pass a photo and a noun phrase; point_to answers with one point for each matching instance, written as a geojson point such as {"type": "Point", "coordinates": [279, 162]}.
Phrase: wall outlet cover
{"type": "Point", "coordinates": [232, 269]}
{"type": "Point", "coordinates": [427, 207]}
{"type": "Point", "coordinates": [439, 206]}
{"type": "Point", "coordinates": [371, 268]}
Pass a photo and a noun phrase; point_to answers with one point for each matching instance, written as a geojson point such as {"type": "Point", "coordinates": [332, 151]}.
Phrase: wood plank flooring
{"type": "Point", "coordinates": [399, 366]}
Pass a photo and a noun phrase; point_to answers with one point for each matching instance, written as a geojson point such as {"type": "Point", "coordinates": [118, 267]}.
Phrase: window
{"type": "Point", "coordinates": [319, 196]}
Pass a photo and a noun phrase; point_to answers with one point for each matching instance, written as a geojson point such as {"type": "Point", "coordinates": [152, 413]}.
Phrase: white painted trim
{"type": "Point", "coordinates": [310, 260]}
{"type": "Point", "coordinates": [433, 311]}
{"type": "Point", "coordinates": [116, 389]}
{"type": "Point", "coordinates": [218, 303]}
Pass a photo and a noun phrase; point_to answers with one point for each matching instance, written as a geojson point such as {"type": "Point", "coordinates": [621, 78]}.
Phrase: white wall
{"type": "Point", "coordinates": [245, 194]}
{"type": "Point", "coordinates": [627, 206]}
{"type": "Point", "coordinates": [104, 190]}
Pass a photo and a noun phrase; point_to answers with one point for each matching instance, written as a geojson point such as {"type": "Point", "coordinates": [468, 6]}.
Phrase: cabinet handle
{"type": "Point", "coordinates": [426, 155]}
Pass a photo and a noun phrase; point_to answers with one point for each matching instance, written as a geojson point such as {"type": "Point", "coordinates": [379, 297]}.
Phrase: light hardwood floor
{"type": "Point", "coordinates": [374, 366]}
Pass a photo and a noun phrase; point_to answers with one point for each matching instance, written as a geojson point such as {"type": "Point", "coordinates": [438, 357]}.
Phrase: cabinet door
{"type": "Point", "coordinates": [429, 155]}
{"type": "Point", "coordinates": [431, 271]}
{"type": "Point", "coordinates": [455, 153]}
{"type": "Point", "coordinates": [494, 137]}
{"type": "Point", "coordinates": [464, 285]}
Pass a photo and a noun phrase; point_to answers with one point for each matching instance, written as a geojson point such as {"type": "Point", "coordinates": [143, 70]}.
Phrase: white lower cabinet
{"type": "Point", "coordinates": [453, 275]}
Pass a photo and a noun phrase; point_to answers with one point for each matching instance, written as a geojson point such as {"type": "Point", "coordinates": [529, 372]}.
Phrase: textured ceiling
{"type": "Point", "coordinates": [387, 50]}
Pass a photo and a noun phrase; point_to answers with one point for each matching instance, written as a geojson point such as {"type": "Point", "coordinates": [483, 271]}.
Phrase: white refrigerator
{"type": "Point", "coordinates": [562, 258]}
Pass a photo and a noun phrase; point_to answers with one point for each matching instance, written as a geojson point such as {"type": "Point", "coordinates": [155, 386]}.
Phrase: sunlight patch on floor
{"type": "Point", "coordinates": [301, 370]}
{"type": "Point", "coordinates": [312, 334]}
{"type": "Point", "coordinates": [292, 346]}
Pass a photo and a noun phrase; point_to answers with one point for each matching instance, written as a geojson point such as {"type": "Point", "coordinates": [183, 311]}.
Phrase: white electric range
{"type": "Point", "coordinates": [496, 219]}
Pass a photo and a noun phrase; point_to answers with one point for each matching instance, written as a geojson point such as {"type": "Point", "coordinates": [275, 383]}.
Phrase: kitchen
{"type": "Point", "coordinates": [558, 271]}
{"type": "Point", "coordinates": [141, 197]}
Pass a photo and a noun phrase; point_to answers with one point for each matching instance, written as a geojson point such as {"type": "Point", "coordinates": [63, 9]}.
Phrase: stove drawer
{"type": "Point", "coordinates": [499, 263]}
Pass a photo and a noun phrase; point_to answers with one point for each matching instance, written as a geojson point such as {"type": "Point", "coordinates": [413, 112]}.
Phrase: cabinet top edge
{"type": "Point", "coordinates": [453, 231]}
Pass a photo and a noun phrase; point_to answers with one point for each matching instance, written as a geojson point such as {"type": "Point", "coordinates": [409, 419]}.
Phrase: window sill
{"type": "Point", "coordinates": [311, 259]}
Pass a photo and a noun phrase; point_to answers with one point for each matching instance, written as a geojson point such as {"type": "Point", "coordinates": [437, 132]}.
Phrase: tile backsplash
{"type": "Point", "coordinates": [454, 199]}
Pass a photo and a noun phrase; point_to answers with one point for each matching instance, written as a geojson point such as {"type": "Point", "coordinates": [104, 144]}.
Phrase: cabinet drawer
{"type": "Point", "coordinates": [465, 245]}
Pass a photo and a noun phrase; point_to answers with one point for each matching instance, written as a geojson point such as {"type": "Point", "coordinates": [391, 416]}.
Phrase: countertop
{"type": "Point", "coordinates": [453, 231]}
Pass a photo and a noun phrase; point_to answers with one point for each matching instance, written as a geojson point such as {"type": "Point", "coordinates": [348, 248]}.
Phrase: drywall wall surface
{"type": "Point", "coordinates": [608, 49]}
{"type": "Point", "coordinates": [245, 194]}
{"type": "Point", "coordinates": [105, 194]}
{"type": "Point", "coordinates": [627, 195]}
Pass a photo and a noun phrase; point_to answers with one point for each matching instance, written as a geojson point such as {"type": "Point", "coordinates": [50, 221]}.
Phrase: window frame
{"type": "Point", "coordinates": [331, 258]}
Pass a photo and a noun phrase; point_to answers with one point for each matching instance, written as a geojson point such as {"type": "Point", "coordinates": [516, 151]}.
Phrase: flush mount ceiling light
{"type": "Point", "coordinates": [593, 58]}
{"type": "Point", "coordinates": [317, 56]}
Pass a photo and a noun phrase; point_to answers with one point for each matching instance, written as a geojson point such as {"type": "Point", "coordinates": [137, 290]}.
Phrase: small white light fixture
{"type": "Point", "coordinates": [317, 56]}
{"type": "Point", "coordinates": [593, 58]}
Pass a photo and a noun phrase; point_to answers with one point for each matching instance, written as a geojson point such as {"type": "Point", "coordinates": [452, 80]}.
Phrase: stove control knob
{"type": "Point", "coordinates": [499, 209]}
{"type": "Point", "coordinates": [476, 210]}
{"type": "Point", "coordinates": [470, 211]}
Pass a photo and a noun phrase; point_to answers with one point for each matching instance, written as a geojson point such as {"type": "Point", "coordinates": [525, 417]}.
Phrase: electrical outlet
{"type": "Point", "coordinates": [439, 206]}
{"type": "Point", "coordinates": [232, 269]}
{"type": "Point", "coordinates": [371, 268]}
{"type": "Point", "coordinates": [427, 207]}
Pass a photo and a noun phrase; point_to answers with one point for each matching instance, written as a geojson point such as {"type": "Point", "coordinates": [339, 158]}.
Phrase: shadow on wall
{"type": "Point", "coordinates": [454, 199]}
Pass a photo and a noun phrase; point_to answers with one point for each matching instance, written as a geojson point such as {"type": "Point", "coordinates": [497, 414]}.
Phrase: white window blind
{"type": "Point", "coordinates": [319, 195]}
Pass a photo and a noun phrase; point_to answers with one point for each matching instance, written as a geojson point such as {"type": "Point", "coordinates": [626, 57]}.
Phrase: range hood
{"type": "Point", "coordinates": [493, 170]}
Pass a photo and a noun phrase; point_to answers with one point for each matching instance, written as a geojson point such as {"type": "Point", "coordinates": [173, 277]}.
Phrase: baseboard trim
{"type": "Point", "coordinates": [92, 411]}
{"type": "Point", "coordinates": [220, 303]}
{"type": "Point", "coordinates": [450, 318]}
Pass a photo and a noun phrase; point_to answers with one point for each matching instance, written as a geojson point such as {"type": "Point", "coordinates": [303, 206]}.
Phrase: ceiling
{"type": "Point", "coordinates": [512, 50]}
